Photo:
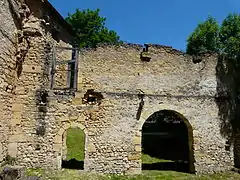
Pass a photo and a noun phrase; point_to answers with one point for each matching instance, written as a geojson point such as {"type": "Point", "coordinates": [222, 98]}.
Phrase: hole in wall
{"type": "Point", "coordinates": [73, 152]}
{"type": "Point", "coordinates": [167, 143]}
{"type": "Point", "coordinates": [38, 147]}
{"type": "Point", "coordinates": [43, 96]}
{"type": "Point", "coordinates": [92, 97]}
{"type": "Point", "coordinates": [197, 59]}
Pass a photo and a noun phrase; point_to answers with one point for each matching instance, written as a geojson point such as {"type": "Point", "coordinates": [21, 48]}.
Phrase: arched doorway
{"type": "Point", "coordinates": [167, 142]}
{"type": "Point", "coordinates": [73, 148]}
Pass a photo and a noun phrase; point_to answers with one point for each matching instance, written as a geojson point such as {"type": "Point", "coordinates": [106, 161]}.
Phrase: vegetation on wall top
{"type": "Point", "coordinates": [209, 36]}
{"type": "Point", "coordinates": [90, 29]}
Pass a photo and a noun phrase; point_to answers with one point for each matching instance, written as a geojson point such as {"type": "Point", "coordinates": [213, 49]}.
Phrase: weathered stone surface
{"type": "Point", "coordinates": [91, 148]}
{"type": "Point", "coordinates": [34, 117]}
{"type": "Point", "coordinates": [137, 140]}
{"type": "Point", "coordinates": [12, 149]}
{"type": "Point", "coordinates": [134, 157]}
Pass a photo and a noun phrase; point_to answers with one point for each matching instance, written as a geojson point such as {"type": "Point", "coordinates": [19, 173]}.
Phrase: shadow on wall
{"type": "Point", "coordinates": [41, 94]}
{"type": "Point", "coordinates": [227, 101]}
{"type": "Point", "coordinates": [42, 105]}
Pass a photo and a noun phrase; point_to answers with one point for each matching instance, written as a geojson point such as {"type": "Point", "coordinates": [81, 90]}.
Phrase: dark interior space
{"type": "Point", "coordinates": [72, 164]}
{"type": "Point", "coordinates": [165, 137]}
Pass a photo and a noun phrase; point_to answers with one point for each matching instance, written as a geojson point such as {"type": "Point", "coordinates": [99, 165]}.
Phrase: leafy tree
{"type": "Point", "coordinates": [204, 38]}
{"type": "Point", "coordinates": [90, 29]}
{"type": "Point", "coordinates": [230, 36]}
{"type": "Point", "coordinates": [209, 36]}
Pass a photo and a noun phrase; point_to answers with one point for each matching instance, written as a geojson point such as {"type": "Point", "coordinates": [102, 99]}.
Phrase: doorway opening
{"type": "Point", "coordinates": [73, 149]}
{"type": "Point", "coordinates": [167, 143]}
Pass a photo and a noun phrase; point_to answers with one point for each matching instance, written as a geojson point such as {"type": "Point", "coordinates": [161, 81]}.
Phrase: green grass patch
{"type": "Point", "coordinates": [147, 159]}
{"type": "Point", "coordinates": [35, 172]}
{"type": "Point", "coordinates": [67, 174]}
{"type": "Point", "coordinates": [75, 144]}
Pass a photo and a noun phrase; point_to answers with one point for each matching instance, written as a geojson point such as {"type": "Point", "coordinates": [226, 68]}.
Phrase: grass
{"type": "Point", "coordinates": [146, 175]}
{"type": "Point", "coordinates": [147, 159]}
{"type": "Point", "coordinates": [75, 144]}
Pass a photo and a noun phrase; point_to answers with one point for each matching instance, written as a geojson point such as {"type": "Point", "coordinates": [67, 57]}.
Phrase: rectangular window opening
{"type": "Point", "coordinates": [64, 70]}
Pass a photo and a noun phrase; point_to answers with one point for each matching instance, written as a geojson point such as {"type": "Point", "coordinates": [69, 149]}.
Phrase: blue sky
{"type": "Point", "coordinates": [166, 22]}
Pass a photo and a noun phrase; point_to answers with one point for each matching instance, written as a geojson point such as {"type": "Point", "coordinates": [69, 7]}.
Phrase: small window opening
{"type": "Point", "coordinates": [92, 97]}
{"type": "Point", "coordinates": [64, 72]}
{"type": "Point", "coordinates": [37, 148]}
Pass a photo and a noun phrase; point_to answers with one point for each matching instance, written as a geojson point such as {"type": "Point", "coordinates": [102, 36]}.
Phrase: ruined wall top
{"type": "Point", "coordinates": [140, 47]}
{"type": "Point", "coordinates": [152, 69]}
{"type": "Point", "coordinates": [45, 9]}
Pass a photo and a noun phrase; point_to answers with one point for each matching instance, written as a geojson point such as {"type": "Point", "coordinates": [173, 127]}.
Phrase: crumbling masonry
{"type": "Point", "coordinates": [108, 92]}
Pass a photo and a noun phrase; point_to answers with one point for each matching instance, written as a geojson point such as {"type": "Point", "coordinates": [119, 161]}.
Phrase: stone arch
{"type": "Point", "coordinates": [151, 109]}
{"type": "Point", "coordinates": [60, 140]}
{"type": "Point", "coordinates": [148, 113]}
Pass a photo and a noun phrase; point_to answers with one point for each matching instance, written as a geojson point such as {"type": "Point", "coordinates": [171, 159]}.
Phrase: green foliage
{"type": "Point", "coordinates": [210, 37]}
{"type": "Point", "coordinates": [147, 159]}
{"type": "Point", "coordinates": [67, 174]}
{"type": "Point", "coordinates": [204, 38]}
{"type": "Point", "coordinates": [34, 172]}
{"type": "Point", "coordinates": [230, 36]}
{"type": "Point", "coordinates": [90, 29]}
{"type": "Point", "coordinates": [75, 144]}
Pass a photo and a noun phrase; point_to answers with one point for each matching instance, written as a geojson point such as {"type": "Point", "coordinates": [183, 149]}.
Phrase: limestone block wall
{"type": "Point", "coordinates": [113, 134]}
{"type": "Point", "coordinates": [168, 72]}
{"type": "Point", "coordinates": [26, 57]}
{"type": "Point", "coordinates": [35, 117]}
{"type": "Point", "coordinates": [8, 49]}
{"type": "Point", "coordinates": [169, 81]}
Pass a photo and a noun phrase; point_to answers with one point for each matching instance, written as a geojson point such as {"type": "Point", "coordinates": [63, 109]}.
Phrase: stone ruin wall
{"type": "Point", "coordinates": [8, 49]}
{"type": "Point", "coordinates": [34, 129]}
{"type": "Point", "coordinates": [27, 39]}
{"type": "Point", "coordinates": [169, 81]}
{"type": "Point", "coordinates": [113, 133]}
